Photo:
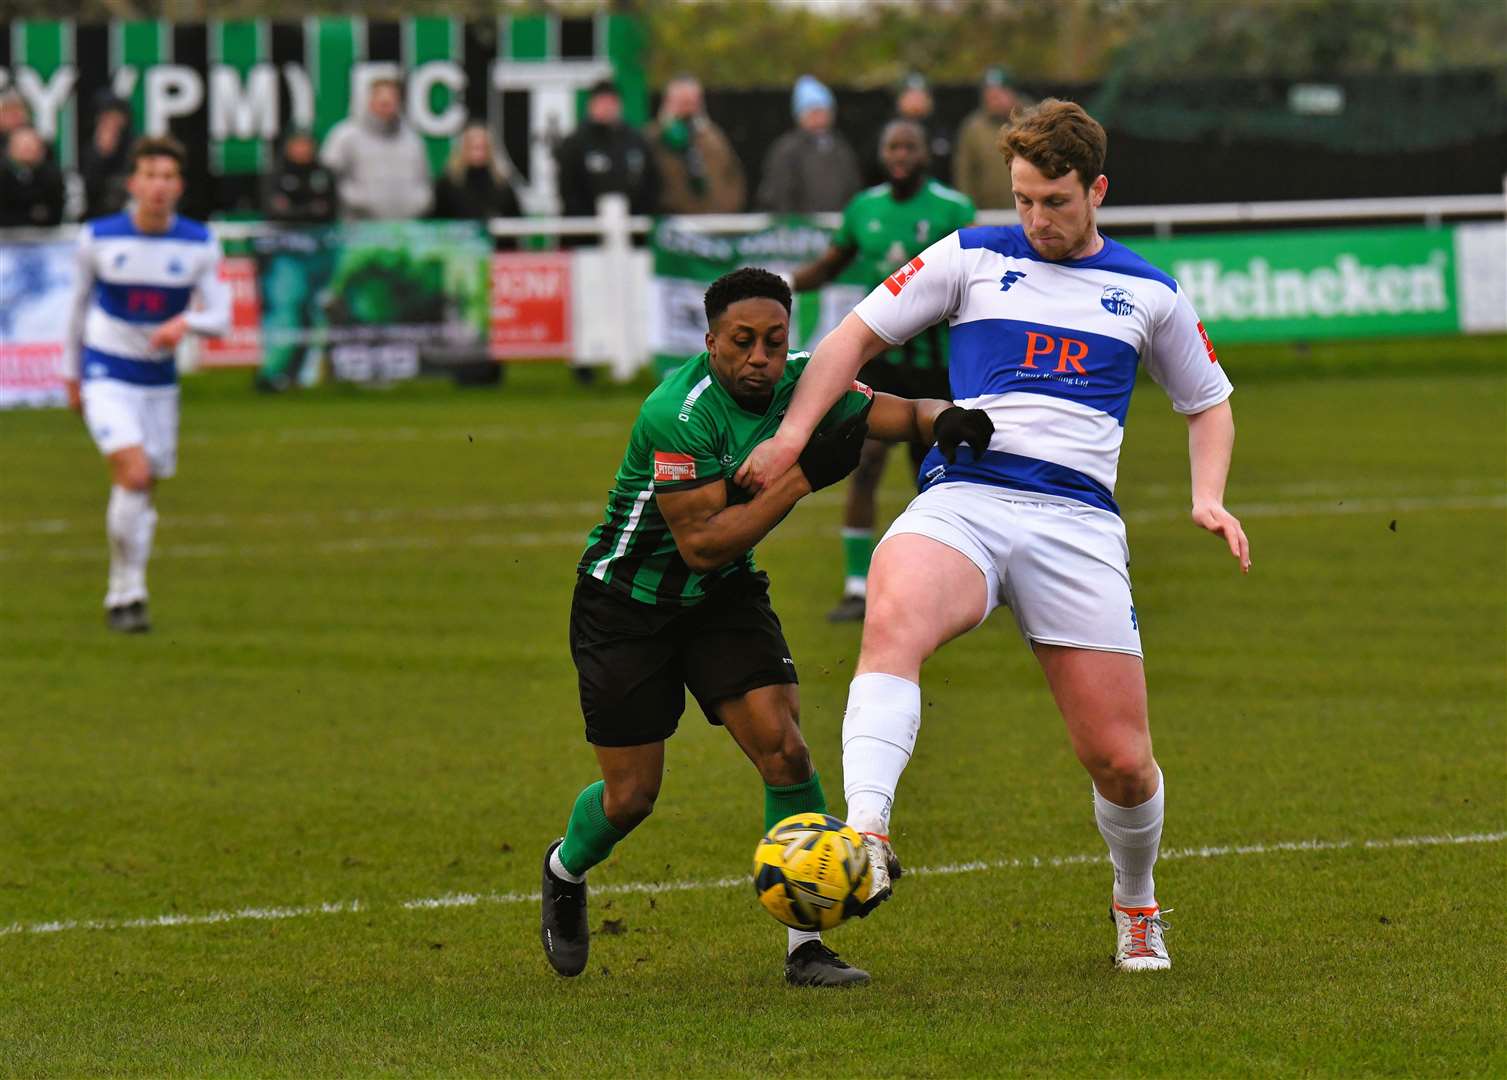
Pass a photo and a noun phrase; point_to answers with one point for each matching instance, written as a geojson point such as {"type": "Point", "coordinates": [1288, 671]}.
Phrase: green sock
{"type": "Point", "coordinates": [803, 798]}
{"type": "Point", "coordinates": [857, 552]}
{"type": "Point", "coordinates": [589, 838]}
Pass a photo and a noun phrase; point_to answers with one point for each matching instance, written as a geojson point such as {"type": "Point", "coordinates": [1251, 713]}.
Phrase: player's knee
{"type": "Point", "coordinates": [133, 474]}
{"type": "Point", "coordinates": [788, 762]}
{"type": "Point", "coordinates": [1119, 768]}
{"type": "Point", "coordinates": [627, 805]}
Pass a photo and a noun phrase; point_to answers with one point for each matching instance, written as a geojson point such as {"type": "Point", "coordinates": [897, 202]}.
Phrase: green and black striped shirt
{"type": "Point", "coordinates": [689, 432]}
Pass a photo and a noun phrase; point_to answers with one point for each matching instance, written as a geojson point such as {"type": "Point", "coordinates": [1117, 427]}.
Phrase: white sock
{"type": "Point", "coordinates": [796, 938]}
{"type": "Point", "coordinates": [854, 585]}
{"type": "Point", "coordinates": [878, 734]}
{"type": "Point", "coordinates": [1133, 834]}
{"type": "Point", "coordinates": [557, 868]}
{"type": "Point", "coordinates": [130, 522]}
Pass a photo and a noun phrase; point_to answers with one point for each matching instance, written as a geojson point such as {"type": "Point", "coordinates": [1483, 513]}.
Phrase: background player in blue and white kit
{"type": "Point", "coordinates": [146, 277]}
{"type": "Point", "coordinates": [1049, 321]}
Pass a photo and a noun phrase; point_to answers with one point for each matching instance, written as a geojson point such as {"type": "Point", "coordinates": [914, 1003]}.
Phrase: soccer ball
{"type": "Point", "coordinates": [808, 867]}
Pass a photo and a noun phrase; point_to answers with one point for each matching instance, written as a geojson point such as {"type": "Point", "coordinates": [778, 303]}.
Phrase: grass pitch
{"type": "Point", "coordinates": [297, 829]}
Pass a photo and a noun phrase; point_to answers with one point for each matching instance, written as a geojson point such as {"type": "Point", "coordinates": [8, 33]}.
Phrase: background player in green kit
{"type": "Point", "coordinates": [667, 596]}
{"type": "Point", "coordinates": [882, 229]}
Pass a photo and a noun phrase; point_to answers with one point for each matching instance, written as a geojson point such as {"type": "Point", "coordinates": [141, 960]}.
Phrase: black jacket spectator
{"type": "Point", "coordinates": [102, 164]}
{"type": "Point", "coordinates": [299, 193]}
{"type": "Point", "coordinates": [476, 196]}
{"type": "Point", "coordinates": [605, 155]}
{"type": "Point", "coordinates": [31, 187]}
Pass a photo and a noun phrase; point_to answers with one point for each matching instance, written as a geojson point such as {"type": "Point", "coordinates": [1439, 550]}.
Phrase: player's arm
{"type": "Point", "coordinates": [922, 292]}
{"type": "Point", "coordinates": [211, 316]}
{"type": "Point", "coordinates": [930, 420]}
{"type": "Point", "coordinates": [710, 533]}
{"type": "Point", "coordinates": [1183, 362]}
{"type": "Point", "coordinates": [822, 269]}
{"type": "Point", "coordinates": [78, 312]}
{"type": "Point", "coordinates": [1211, 441]}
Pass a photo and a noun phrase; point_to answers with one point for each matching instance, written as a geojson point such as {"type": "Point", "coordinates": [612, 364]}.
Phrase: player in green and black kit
{"type": "Point", "coordinates": [882, 228]}
{"type": "Point", "coordinates": [667, 596]}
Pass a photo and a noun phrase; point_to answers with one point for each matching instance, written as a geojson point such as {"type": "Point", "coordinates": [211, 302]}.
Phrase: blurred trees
{"type": "Point", "coordinates": [736, 43]}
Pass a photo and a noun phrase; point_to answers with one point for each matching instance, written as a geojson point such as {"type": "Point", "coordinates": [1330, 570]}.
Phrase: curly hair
{"type": "Point", "coordinates": [1057, 137]}
{"type": "Point", "coordinates": [744, 283]}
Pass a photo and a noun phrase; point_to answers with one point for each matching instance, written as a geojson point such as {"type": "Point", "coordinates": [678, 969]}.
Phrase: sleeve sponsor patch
{"type": "Point", "coordinates": [896, 281]}
{"type": "Point", "coordinates": [863, 388]}
{"type": "Point", "coordinates": [671, 468]}
{"type": "Point", "coordinates": [1208, 345]}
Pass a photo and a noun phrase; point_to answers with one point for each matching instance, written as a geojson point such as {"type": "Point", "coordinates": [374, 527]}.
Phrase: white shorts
{"type": "Point", "coordinates": [1063, 568]}
{"type": "Point", "coordinates": [121, 414]}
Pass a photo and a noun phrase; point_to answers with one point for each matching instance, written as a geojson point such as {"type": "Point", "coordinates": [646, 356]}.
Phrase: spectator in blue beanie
{"type": "Point", "coordinates": [810, 168]}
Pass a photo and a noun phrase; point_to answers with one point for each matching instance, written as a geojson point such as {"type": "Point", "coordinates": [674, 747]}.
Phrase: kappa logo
{"type": "Point", "coordinates": [897, 281]}
{"type": "Point", "coordinates": [670, 468]}
{"type": "Point", "coordinates": [1010, 278]}
{"type": "Point", "coordinates": [1117, 301]}
{"type": "Point", "coordinates": [1208, 345]}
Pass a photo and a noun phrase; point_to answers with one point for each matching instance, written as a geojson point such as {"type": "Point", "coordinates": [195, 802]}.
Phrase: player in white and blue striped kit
{"type": "Point", "coordinates": [145, 278]}
{"type": "Point", "coordinates": [1049, 322]}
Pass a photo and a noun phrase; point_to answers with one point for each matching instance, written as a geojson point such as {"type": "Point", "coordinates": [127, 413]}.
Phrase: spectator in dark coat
{"type": "Point", "coordinates": [605, 155]}
{"type": "Point", "coordinates": [812, 167]}
{"type": "Point", "coordinates": [31, 187]}
{"type": "Point", "coordinates": [478, 181]}
{"type": "Point", "coordinates": [301, 191]}
{"type": "Point", "coordinates": [104, 161]}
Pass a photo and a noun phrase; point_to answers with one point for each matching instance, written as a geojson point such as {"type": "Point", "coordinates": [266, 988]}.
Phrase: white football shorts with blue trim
{"type": "Point", "coordinates": [121, 414]}
{"type": "Point", "coordinates": [1062, 567]}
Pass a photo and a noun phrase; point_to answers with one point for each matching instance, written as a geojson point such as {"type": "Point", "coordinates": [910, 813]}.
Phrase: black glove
{"type": "Point", "coordinates": [831, 455]}
{"type": "Point", "coordinates": [956, 426]}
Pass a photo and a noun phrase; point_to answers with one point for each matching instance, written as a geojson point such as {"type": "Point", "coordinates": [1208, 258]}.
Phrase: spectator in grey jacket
{"type": "Point", "coordinates": [812, 167]}
{"type": "Point", "coordinates": [380, 166]}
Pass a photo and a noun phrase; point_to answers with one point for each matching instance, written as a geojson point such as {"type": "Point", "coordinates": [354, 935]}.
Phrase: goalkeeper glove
{"type": "Point", "coordinates": [831, 455]}
{"type": "Point", "coordinates": [956, 426]}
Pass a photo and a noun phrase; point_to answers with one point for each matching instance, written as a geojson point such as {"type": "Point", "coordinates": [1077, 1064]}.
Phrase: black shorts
{"type": "Point", "coordinates": [904, 380]}
{"type": "Point", "coordinates": [635, 661]}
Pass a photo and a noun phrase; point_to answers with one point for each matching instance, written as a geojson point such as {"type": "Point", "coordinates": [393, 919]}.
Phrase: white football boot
{"type": "Point", "coordinates": [1139, 945]}
{"type": "Point", "coordinates": [885, 867]}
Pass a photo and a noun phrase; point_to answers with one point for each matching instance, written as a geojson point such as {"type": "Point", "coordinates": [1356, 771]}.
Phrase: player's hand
{"type": "Point", "coordinates": [75, 398]}
{"type": "Point", "coordinates": [169, 333]}
{"type": "Point", "coordinates": [958, 425]}
{"type": "Point", "coordinates": [1221, 522]}
{"type": "Point", "coordinates": [831, 455]}
{"type": "Point", "coordinates": [770, 459]}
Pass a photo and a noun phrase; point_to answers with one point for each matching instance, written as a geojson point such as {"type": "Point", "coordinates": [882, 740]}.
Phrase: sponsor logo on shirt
{"type": "Point", "coordinates": [1117, 301]}
{"type": "Point", "coordinates": [896, 281]}
{"type": "Point", "coordinates": [1208, 345]}
{"type": "Point", "coordinates": [671, 468]}
{"type": "Point", "coordinates": [1066, 352]}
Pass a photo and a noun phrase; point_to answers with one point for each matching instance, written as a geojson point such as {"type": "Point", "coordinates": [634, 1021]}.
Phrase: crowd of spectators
{"type": "Point", "coordinates": [375, 166]}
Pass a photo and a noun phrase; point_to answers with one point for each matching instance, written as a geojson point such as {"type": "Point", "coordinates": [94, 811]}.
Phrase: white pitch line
{"type": "Point", "coordinates": [456, 900]}
{"type": "Point", "coordinates": [357, 545]}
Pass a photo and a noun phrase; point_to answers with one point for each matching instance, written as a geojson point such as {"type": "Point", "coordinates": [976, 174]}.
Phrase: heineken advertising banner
{"type": "Point", "coordinates": [231, 89]}
{"type": "Point", "coordinates": [1292, 286]}
{"type": "Point", "coordinates": [373, 301]}
{"type": "Point", "coordinates": [686, 262]}
{"type": "Point", "coordinates": [1272, 286]}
